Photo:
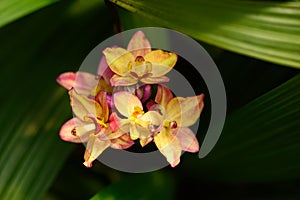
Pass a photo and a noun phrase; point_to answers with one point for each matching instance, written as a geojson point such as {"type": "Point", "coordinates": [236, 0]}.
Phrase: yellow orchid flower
{"type": "Point", "coordinates": [93, 125]}
{"type": "Point", "coordinates": [137, 123]}
{"type": "Point", "coordinates": [138, 62]}
{"type": "Point", "coordinates": [179, 113]}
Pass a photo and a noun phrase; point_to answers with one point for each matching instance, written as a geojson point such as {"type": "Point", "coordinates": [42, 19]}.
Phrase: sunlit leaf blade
{"type": "Point", "coordinates": [34, 51]}
{"type": "Point", "coordinates": [11, 10]}
{"type": "Point", "coordinates": [261, 141]}
{"type": "Point", "coordinates": [266, 30]}
{"type": "Point", "coordinates": [140, 186]}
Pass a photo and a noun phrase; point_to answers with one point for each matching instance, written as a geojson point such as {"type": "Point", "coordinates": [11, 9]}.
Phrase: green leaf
{"type": "Point", "coordinates": [260, 141]}
{"type": "Point", "coordinates": [34, 51]}
{"type": "Point", "coordinates": [266, 30]}
{"type": "Point", "coordinates": [11, 10]}
{"type": "Point", "coordinates": [139, 186]}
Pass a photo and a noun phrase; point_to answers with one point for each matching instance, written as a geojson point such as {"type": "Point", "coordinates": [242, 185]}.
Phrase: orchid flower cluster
{"type": "Point", "coordinates": [111, 110]}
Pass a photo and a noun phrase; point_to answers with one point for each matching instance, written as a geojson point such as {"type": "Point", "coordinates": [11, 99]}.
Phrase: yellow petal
{"type": "Point", "coordinates": [162, 62]}
{"type": "Point", "coordinates": [84, 83]}
{"type": "Point", "coordinates": [139, 44]}
{"type": "Point", "coordinates": [75, 130]}
{"type": "Point", "coordinates": [118, 59]}
{"type": "Point", "coordinates": [117, 80]}
{"type": "Point", "coordinates": [163, 95]}
{"type": "Point", "coordinates": [154, 117]}
{"type": "Point", "coordinates": [169, 146]}
{"type": "Point", "coordinates": [159, 70]}
{"type": "Point", "coordinates": [82, 106]}
{"type": "Point", "coordinates": [145, 141]}
{"type": "Point", "coordinates": [109, 135]}
{"type": "Point", "coordinates": [122, 142]}
{"type": "Point", "coordinates": [155, 80]}
{"type": "Point", "coordinates": [187, 139]}
{"type": "Point", "coordinates": [185, 111]}
{"type": "Point", "coordinates": [93, 149]}
{"type": "Point", "coordinates": [143, 132]}
{"type": "Point", "coordinates": [103, 85]}
{"type": "Point", "coordinates": [101, 98]}
{"type": "Point", "coordinates": [126, 103]}
{"type": "Point", "coordinates": [134, 133]}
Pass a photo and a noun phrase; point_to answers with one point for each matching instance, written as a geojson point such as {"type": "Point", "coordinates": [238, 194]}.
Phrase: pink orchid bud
{"type": "Point", "coordinates": [147, 91]}
{"type": "Point", "coordinates": [139, 93]}
{"type": "Point", "coordinates": [110, 101]}
{"type": "Point", "coordinates": [150, 104]}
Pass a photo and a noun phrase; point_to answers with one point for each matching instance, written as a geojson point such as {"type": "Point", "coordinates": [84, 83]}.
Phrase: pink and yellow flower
{"type": "Point", "coordinates": [179, 113]}
{"type": "Point", "coordinates": [136, 121]}
{"type": "Point", "coordinates": [93, 125]}
{"type": "Point", "coordinates": [138, 62]}
{"type": "Point", "coordinates": [95, 121]}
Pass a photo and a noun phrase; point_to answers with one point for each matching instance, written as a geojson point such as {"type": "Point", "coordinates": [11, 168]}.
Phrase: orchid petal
{"type": "Point", "coordinates": [118, 124]}
{"type": "Point", "coordinates": [155, 80]}
{"type": "Point", "coordinates": [169, 146]}
{"type": "Point", "coordinates": [93, 149]}
{"type": "Point", "coordinates": [114, 121]}
{"type": "Point", "coordinates": [103, 85]}
{"type": "Point", "coordinates": [75, 130]}
{"type": "Point", "coordinates": [145, 141]}
{"type": "Point", "coordinates": [126, 103]}
{"type": "Point", "coordinates": [143, 132]}
{"type": "Point", "coordinates": [163, 95]}
{"type": "Point", "coordinates": [160, 110]}
{"type": "Point", "coordinates": [188, 140]}
{"type": "Point", "coordinates": [118, 60]}
{"type": "Point", "coordinates": [185, 111]}
{"type": "Point", "coordinates": [161, 58]}
{"type": "Point", "coordinates": [108, 134]}
{"type": "Point", "coordinates": [66, 80]}
{"type": "Point", "coordinates": [160, 69]}
{"type": "Point", "coordinates": [134, 133]}
{"type": "Point", "coordinates": [101, 97]}
{"type": "Point", "coordinates": [103, 69]}
{"type": "Point", "coordinates": [117, 80]}
{"type": "Point", "coordinates": [82, 105]}
{"type": "Point", "coordinates": [83, 82]}
{"type": "Point", "coordinates": [94, 119]}
{"type": "Point", "coordinates": [139, 44]}
{"type": "Point", "coordinates": [122, 142]}
{"type": "Point", "coordinates": [153, 117]}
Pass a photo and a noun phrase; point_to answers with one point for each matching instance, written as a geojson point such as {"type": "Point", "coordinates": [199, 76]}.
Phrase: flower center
{"type": "Point", "coordinates": [172, 124]}
{"type": "Point", "coordinates": [73, 132]}
{"type": "Point", "coordinates": [139, 59]}
{"type": "Point", "coordinates": [101, 122]}
{"type": "Point", "coordinates": [139, 67]}
{"type": "Point", "coordinates": [138, 112]}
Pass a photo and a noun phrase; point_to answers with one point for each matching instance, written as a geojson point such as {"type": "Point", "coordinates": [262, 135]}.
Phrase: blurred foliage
{"type": "Point", "coordinates": [34, 51]}
{"type": "Point", "coordinates": [11, 10]}
{"type": "Point", "coordinates": [257, 155]}
{"type": "Point", "coordinates": [140, 186]}
{"type": "Point", "coordinates": [266, 30]}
